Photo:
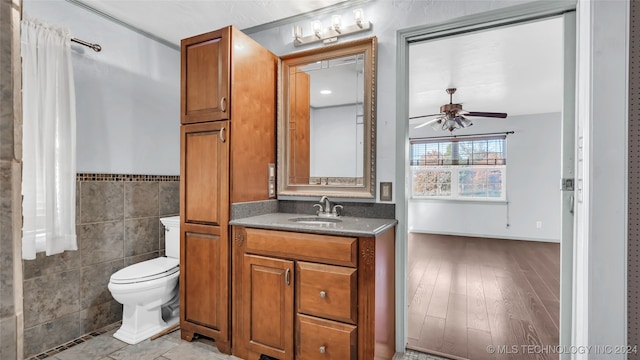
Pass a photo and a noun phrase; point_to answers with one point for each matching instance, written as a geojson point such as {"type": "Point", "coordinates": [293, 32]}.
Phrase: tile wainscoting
{"type": "Point", "coordinates": [117, 219]}
{"type": "Point", "coordinates": [118, 224]}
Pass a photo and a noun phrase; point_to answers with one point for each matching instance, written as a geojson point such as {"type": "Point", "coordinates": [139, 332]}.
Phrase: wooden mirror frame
{"type": "Point", "coordinates": [368, 47]}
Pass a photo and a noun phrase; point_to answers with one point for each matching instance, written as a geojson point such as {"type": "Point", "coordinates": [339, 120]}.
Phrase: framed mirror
{"type": "Point", "coordinates": [326, 125]}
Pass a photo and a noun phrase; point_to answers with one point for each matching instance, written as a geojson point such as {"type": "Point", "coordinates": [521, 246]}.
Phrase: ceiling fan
{"type": "Point", "coordinates": [453, 116]}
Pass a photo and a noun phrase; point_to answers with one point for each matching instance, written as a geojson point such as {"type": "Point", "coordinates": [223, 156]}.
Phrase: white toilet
{"type": "Point", "coordinates": [149, 290]}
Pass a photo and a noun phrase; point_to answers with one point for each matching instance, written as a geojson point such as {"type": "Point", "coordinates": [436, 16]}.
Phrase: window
{"type": "Point", "coordinates": [472, 168]}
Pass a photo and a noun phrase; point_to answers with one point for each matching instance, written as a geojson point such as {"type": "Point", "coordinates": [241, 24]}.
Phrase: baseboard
{"type": "Point", "coordinates": [519, 238]}
{"type": "Point", "coordinates": [435, 353]}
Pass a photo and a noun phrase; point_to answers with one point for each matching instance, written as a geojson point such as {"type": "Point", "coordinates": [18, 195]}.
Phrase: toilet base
{"type": "Point", "coordinates": [135, 337]}
{"type": "Point", "coordinates": [140, 323]}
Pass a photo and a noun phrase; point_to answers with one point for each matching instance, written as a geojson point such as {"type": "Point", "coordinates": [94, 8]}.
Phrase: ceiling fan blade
{"type": "Point", "coordinates": [423, 116]}
{"type": "Point", "coordinates": [427, 123]}
{"type": "Point", "coordinates": [486, 114]}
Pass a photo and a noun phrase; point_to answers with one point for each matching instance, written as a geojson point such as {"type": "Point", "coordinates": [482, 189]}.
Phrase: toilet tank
{"type": "Point", "coordinates": [171, 236]}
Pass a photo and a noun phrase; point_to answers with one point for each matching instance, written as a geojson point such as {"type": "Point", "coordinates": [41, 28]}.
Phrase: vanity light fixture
{"type": "Point", "coordinates": [331, 33]}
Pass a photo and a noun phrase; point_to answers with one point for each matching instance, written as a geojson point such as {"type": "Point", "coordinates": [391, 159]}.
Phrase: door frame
{"type": "Point", "coordinates": [501, 17]}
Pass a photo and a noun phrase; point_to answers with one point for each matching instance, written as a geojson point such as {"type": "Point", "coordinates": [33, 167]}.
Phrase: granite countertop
{"type": "Point", "coordinates": [348, 226]}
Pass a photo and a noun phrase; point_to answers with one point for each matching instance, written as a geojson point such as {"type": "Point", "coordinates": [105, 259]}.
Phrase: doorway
{"type": "Point", "coordinates": [464, 226]}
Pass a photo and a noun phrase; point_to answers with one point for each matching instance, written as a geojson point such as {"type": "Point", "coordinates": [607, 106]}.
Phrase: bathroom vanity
{"type": "Point", "coordinates": [303, 288]}
{"type": "Point", "coordinates": [313, 288]}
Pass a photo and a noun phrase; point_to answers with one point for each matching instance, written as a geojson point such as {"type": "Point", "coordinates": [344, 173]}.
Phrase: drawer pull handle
{"type": "Point", "coordinates": [323, 294]}
{"type": "Point", "coordinates": [323, 349]}
{"type": "Point", "coordinates": [286, 277]}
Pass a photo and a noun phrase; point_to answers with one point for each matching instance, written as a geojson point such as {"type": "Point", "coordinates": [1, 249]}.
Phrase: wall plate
{"type": "Point", "coordinates": [385, 191]}
{"type": "Point", "coordinates": [272, 180]}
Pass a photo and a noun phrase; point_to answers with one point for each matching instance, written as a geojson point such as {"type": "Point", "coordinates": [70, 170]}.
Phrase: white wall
{"type": "Point", "coordinates": [336, 142]}
{"type": "Point", "coordinates": [127, 95]}
{"type": "Point", "coordinates": [533, 191]}
{"type": "Point", "coordinates": [602, 119]}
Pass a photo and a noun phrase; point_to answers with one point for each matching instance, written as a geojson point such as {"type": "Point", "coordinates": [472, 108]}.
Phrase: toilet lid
{"type": "Point", "coordinates": [146, 270]}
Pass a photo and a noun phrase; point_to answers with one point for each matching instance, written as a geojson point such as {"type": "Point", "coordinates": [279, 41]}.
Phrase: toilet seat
{"type": "Point", "coordinates": [146, 271]}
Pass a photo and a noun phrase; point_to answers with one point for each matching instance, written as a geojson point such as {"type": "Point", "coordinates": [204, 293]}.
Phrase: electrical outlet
{"type": "Point", "coordinates": [538, 224]}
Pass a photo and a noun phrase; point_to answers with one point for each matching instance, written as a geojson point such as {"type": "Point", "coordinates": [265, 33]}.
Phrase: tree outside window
{"type": "Point", "coordinates": [469, 168]}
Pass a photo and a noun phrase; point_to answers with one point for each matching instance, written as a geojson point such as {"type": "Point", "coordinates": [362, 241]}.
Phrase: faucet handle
{"type": "Point", "coordinates": [319, 206]}
{"type": "Point", "coordinates": [335, 209]}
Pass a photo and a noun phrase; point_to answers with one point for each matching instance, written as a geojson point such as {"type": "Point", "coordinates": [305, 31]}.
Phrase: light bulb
{"type": "Point", "coordinates": [316, 25]}
{"type": "Point", "coordinates": [358, 15]}
{"type": "Point", "coordinates": [297, 32]}
{"type": "Point", "coordinates": [336, 22]}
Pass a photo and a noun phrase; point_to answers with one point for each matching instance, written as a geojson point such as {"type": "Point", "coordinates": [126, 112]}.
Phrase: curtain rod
{"type": "Point", "coordinates": [457, 136]}
{"type": "Point", "coordinates": [95, 47]}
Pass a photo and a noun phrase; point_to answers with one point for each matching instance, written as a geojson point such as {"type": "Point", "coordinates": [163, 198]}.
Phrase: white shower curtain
{"type": "Point", "coordinates": [49, 141]}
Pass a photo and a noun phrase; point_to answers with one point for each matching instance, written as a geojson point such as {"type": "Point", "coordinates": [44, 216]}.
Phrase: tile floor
{"type": "Point", "coordinates": [103, 346]}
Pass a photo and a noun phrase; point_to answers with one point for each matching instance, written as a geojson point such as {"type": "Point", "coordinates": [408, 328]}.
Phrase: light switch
{"type": "Point", "coordinates": [272, 172]}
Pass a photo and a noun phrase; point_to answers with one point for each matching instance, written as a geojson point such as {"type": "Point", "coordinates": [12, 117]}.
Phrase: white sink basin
{"type": "Point", "coordinates": [315, 220]}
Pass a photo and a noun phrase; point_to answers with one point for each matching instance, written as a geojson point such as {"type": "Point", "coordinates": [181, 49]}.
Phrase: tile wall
{"type": "Point", "coordinates": [66, 295]}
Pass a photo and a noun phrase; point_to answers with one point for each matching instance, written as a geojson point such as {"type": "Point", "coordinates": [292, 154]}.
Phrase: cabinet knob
{"type": "Point", "coordinates": [323, 349]}
{"type": "Point", "coordinates": [323, 294]}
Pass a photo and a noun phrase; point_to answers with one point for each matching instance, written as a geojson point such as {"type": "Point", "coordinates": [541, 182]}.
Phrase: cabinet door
{"type": "Point", "coordinates": [204, 240]}
{"type": "Point", "coordinates": [204, 279]}
{"type": "Point", "coordinates": [205, 77]}
{"type": "Point", "coordinates": [204, 173]}
{"type": "Point", "coordinates": [268, 306]}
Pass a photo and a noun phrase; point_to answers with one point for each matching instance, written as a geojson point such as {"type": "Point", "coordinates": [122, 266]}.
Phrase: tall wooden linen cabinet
{"type": "Point", "coordinates": [227, 141]}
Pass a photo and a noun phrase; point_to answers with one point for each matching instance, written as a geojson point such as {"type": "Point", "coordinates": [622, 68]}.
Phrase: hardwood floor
{"type": "Point", "coordinates": [467, 293]}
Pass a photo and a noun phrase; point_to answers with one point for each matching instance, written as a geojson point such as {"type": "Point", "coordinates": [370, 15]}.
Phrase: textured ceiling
{"type": "Point", "coordinates": [173, 20]}
{"type": "Point", "coordinates": [514, 69]}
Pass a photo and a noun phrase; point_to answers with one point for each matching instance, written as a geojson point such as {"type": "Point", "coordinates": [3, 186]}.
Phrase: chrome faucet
{"type": "Point", "coordinates": [326, 204]}
{"type": "Point", "coordinates": [324, 208]}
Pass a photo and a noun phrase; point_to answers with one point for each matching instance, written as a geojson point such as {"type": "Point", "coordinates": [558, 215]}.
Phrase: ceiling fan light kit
{"type": "Point", "coordinates": [453, 116]}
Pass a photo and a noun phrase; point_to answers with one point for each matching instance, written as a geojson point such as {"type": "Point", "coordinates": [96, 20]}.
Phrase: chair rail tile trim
{"type": "Point", "coordinates": [125, 177]}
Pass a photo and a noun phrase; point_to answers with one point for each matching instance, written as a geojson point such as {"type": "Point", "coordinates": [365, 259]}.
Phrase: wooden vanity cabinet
{"type": "Point", "coordinates": [311, 296]}
{"type": "Point", "coordinates": [225, 151]}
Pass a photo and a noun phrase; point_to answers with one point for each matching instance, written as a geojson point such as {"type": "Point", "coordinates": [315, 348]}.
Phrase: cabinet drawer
{"type": "Point", "coordinates": [336, 250]}
{"type": "Point", "coordinates": [325, 340]}
{"type": "Point", "coordinates": [327, 291]}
